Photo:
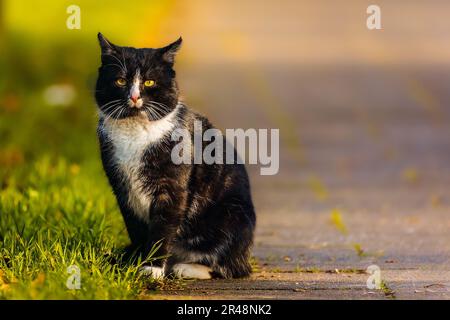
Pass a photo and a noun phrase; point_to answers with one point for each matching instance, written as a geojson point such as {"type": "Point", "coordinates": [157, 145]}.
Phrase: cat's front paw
{"type": "Point", "coordinates": [192, 271]}
{"type": "Point", "coordinates": [154, 272]}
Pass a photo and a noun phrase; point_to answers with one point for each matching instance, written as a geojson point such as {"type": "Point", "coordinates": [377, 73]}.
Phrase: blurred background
{"type": "Point", "coordinates": [363, 114]}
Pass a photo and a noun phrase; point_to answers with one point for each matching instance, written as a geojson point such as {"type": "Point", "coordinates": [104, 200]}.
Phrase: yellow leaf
{"type": "Point", "coordinates": [410, 175]}
{"type": "Point", "coordinates": [74, 169]}
{"type": "Point", "coordinates": [336, 219]}
{"type": "Point", "coordinates": [318, 188]}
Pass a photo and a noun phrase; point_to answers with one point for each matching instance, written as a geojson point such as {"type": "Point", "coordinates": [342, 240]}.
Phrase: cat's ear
{"type": "Point", "coordinates": [106, 46]}
{"type": "Point", "coordinates": [169, 52]}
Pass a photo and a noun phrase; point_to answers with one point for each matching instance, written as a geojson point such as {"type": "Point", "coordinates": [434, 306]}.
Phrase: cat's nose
{"type": "Point", "coordinates": [135, 94]}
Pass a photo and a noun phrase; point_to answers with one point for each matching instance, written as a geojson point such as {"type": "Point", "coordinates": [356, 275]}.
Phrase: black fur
{"type": "Point", "coordinates": [202, 213]}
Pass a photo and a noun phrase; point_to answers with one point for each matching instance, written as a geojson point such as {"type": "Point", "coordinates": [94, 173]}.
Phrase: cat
{"type": "Point", "coordinates": [202, 216]}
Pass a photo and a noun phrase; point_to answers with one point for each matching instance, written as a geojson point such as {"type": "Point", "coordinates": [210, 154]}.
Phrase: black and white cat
{"type": "Point", "coordinates": [203, 213]}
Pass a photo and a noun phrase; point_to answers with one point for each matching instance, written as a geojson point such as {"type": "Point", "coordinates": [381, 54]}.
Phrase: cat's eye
{"type": "Point", "coordinates": [121, 82]}
{"type": "Point", "coordinates": [149, 83]}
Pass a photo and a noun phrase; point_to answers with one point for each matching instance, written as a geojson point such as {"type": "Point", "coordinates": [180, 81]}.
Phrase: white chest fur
{"type": "Point", "coordinates": [130, 138]}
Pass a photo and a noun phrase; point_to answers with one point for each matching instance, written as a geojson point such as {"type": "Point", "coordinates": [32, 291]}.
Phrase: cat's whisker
{"type": "Point", "coordinates": [146, 112]}
{"type": "Point", "coordinates": [154, 111]}
{"type": "Point", "coordinates": [158, 103]}
{"type": "Point", "coordinates": [150, 113]}
{"type": "Point", "coordinates": [156, 106]}
{"type": "Point", "coordinates": [117, 111]}
{"type": "Point", "coordinates": [117, 102]}
{"type": "Point", "coordinates": [124, 63]}
{"type": "Point", "coordinates": [107, 114]}
{"type": "Point", "coordinates": [154, 115]}
{"type": "Point", "coordinates": [110, 102]}
{"type": "Point", "coordinates": [161, 105]}
{"type": "Point", "coordinates": [112, 106]}
{"type": "Point", "coordinates": [112, 114]}
{"type": "Point", "coordinates": [112, 110]}
{"type": "Point", "coordinates": [121, 113]}
{"type": "Point", "coordinates": [161, 113]}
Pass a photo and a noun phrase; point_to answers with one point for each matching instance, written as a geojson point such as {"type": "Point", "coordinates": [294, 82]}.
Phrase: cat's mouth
{"type": "Point", "coordinates": [135, 103]}
{"type": "Point", "coordinates": [149, 111]}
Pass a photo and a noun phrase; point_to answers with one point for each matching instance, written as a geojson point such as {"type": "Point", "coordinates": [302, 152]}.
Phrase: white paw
{"type": "Point", "coordinates": [154, 272]}
{"type": "Point", "coordinates": [192, 271]}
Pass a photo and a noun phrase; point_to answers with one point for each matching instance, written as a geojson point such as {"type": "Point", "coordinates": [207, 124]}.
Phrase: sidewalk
{"type": "Point", "coordinates": [365, 151]}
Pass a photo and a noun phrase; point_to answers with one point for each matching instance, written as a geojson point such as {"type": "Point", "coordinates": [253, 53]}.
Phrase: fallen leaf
{"type": "Point", "coordinates": [336, 219]}
{"type": "Point", "coordinates": [410, 175]}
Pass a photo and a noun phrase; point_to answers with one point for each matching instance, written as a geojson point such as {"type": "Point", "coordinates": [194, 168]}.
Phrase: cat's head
{"type": "Point", "coordinates": [133, 82]}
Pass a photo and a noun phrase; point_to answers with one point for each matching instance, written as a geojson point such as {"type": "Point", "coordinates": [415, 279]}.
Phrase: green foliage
{"type": "Point", "coordinates": [61, 215]}
{"type": "Point", "coordinates": [56, 207]}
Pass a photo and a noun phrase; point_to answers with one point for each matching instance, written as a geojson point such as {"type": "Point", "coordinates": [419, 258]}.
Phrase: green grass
{"type": "Point", "coordinates": [57, 210]}
{"type": "Point", "coordinates": [387, 291]}
{"type": "Point", "coordinates": [56, 207]}
{"type": "Point", "coordinates": [58, 216]}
